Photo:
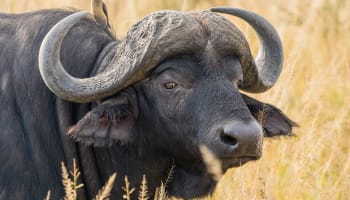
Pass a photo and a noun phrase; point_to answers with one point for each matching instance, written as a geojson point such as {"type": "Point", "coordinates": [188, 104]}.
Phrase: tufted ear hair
{"type": "Point", "coordinates": [273, 120]}
{"type": "Point", "coordinates": [111, 121]}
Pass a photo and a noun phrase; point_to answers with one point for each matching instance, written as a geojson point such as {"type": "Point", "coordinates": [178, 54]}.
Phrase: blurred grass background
{"type": "Point", "coordinates": [313, 90]}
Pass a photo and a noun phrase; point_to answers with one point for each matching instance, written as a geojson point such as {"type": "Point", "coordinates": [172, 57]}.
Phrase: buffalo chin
{"type": "Point", "coordinates": [227, 163]}
{"type": "Point", "coordinates": [198, 181]}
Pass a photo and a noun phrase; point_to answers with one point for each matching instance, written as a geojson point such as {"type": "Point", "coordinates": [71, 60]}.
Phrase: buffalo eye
{"type": "Point", "coordinates": [170, 85]}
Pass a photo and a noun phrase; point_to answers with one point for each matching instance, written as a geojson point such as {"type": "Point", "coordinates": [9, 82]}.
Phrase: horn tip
{"type": "Point", "coordinates": [223, 9]}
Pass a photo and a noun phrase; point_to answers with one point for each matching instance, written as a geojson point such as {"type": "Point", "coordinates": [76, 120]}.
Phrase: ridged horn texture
{"type": "Point", "coordinates": [262, 74]}
{"type": "Point", "coordinates": [158, 36]}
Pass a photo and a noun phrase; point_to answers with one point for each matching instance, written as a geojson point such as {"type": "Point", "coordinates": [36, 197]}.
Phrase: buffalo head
{"type": "Point", "coordinates": [172, 85]}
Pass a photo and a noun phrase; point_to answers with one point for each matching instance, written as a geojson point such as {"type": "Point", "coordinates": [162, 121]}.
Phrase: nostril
{"type": "Point", "coordinates": [227, 139]}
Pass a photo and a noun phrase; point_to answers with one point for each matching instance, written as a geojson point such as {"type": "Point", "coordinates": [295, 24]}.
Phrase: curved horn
{"type": "Point", "coordinates": [155, 38]}
{"type": "Point", "coordinates": [262, 75]}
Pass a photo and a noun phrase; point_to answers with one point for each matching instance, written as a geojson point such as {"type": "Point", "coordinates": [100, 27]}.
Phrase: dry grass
{"type": "Point", "coordinates": [105, 192]}
{"type": "Point", "coordinates": [143, 193]}
{"type": "Point", "coordinates": [313, 89]}
{"type": "Point", "coordinates": [71, 185]}
{"type": "Point", "coordinates": [70, 182]}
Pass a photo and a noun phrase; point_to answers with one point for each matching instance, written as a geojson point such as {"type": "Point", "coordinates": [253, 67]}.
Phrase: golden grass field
{"type": "Point", "coordinates": [313, 90]}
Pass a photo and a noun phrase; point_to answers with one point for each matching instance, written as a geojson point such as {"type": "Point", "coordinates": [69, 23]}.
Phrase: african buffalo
{"type": "Point", "coordinates": [70, 89]}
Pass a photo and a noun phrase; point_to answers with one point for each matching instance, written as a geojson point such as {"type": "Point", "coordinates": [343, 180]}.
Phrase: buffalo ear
{"type": "Point", "coordinates": [274, 121]}
{"type": "Point", "coordinates": [111, 121]}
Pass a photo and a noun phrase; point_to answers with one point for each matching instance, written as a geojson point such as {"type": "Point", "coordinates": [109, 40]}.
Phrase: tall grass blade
{"type": "Point", "coordinates": [105, 192]}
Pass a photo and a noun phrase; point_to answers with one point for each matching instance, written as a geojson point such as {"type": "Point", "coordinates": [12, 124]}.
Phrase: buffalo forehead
{"type": "Point", "coordinates": [173, 31]}
{"type": "Point", "coordinates": [223, 35]}
{"type": "Point", "coordinates": [166, 34]}
{"type": "Point", "coordinates": [185, 33]}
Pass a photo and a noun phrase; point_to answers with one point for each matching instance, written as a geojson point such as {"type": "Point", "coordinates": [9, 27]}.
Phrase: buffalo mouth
{"type": "Point", "coordinates": [230, 162]}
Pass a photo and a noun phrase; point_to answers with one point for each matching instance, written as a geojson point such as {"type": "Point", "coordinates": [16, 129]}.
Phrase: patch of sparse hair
{"type": "Point", "coordinates": [104, 116]}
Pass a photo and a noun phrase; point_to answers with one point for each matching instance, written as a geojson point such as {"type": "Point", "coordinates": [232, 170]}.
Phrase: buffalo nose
{"type": "Point", "coordinates": [242, 137]}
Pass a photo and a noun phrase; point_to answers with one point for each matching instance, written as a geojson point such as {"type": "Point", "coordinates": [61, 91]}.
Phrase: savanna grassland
{"type": "Point", "coordinates": [313, 90]}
